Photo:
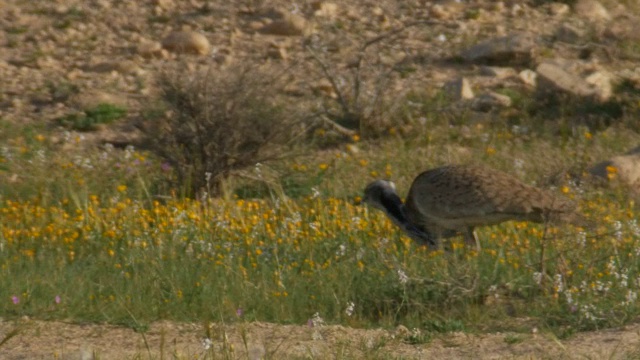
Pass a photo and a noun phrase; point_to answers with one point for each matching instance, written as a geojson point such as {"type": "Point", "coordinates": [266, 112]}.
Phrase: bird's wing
{"type": "Point", "coordinates": [456, 192]}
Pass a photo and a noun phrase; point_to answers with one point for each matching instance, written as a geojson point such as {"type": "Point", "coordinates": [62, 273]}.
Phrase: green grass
{"type": "Point", "coordinates": [101, 237]}
{"type": "Point", "coordinates": [92, 118]}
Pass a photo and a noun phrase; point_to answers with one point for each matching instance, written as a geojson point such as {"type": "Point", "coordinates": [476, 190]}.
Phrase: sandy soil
{"type": "Point", "coordinates": [59, 340]}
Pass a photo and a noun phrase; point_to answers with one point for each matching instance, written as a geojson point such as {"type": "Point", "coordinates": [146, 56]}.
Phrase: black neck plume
{"type": "Point", "coordinates": [395, 209]}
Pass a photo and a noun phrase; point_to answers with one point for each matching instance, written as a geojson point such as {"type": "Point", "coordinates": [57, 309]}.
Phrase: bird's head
{"type": "Point", "coordinates": [378, 190]}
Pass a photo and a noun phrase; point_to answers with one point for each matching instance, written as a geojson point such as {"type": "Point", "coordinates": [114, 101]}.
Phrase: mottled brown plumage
{"type": "Point", "coordinates": [448, 200]}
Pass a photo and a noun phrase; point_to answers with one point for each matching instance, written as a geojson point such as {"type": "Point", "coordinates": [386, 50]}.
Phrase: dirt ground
{"type": "Point", "coordinates": [59, 340]}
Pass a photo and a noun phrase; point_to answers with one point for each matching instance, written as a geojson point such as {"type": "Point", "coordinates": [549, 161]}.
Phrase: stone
{"type": "Point", "coordinates": [277, 52]}
{"type": "Point", "coordinates": [459, 89]}
{"type": "Point", "coordinates": [447, 9]}
{"type": "Point", "coordinates": [558, 9]}
{"type": "Point", "coordinates": [625, 168]}
{"type": "Point", "coordinates": [498, 72]}
{"type": "Point", "coordinates": [288, 25]}
{"type": "Point", "coordinates": [623, 28]}
{"type": "Point", "coordinates": [401, 332]}
{"type": "Point", "coordinates": [601, 82]}
{"type": "Point", "coordinates": [630, 77]}
{"type": "Point", "coordinates": [591, 10]}
{"type": "Point", "coordinates": [324, 88]}
{"type": "Point", "coordinates": [490, 100]}
{"type": "Point", "coordinates": [165, 4]}
{"type": "Point", "coordinates": [552, 77]}
{"type": "Point", "coordinates": [528, 77]}
{"type": "Point", "coordinates": [151, 49]}
{"type": "Point", "coordinates": [570, 34]}
{"type": "Point", "coordinates": [439, 12]}
{"type": "Point", "coordinates": [511, 49]}
{"type": "Point", "coordinates": [187, 42]}
{"type": "Point", "coordinates": [324, 9]}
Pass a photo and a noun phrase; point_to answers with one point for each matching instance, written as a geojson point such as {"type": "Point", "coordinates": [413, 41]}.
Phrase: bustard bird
{"type": "Point", "coordinates": [449, 200]}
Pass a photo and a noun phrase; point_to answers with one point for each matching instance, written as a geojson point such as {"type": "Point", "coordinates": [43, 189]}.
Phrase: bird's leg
{"type": "Point", "coordinates": [470, 238]}
{"type": "Point", "coordinates": [437, 236]}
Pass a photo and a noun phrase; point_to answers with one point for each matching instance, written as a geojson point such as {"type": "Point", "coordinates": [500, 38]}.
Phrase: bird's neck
{"type": "Point", "coordinates": [396, 211]}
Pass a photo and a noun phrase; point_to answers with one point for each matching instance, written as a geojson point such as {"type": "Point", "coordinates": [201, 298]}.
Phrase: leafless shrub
{"type": "Point", "coordinates": [366, 92]}
{"type": "Point", "coordinates": [220, 122]}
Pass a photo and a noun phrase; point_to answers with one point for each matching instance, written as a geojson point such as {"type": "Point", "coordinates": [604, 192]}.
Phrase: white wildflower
{"type": "Point", "coordinates": [634, 227]}
{"type": "Point", "coordinates": [493, 289]}
{"type": "Point", "coordinates": [617, 226]}
{"type": "Point", "coordinates": [624, 280]}
{"type": "Point", "coordinates": [350, 308]}
{"type": "Point", "coordinates": [317, 321]}
{"type": "Point", "coordinates": [342, 250]}
{"type": "Point", "coordinates": [569, 297]}
{"type": "Point", "coordinates": [518, 164]}
{"type": "Point", "coordinates": [587, 311]}
{"type": "Point", "coordinates": [207, 343]}
{"type": "Point", "coordinates": [128, 151]}
{"type": "Point", "coordinates": [402, 277]}
{"type": "Point", "coordinates": [537, 277]}
{"type": "Point", "coordinates": [558, 283]}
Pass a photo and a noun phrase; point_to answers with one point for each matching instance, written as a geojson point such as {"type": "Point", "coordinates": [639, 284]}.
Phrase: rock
{"type": "Point", "coordinates": [324, 88]}
{"type": "Point", "coordinates": [165, 4]}
{"type": "Point", "coordinates": [439, 12]}
{"type": "Point", "coordinates": [277, 52]}
{"type": "Point", "coordinates": [459, 89]}
{"type": "Point", "coordinates": [630, 77]}
{"type": "Point", "coordinates": [570, 34]}
{"type": "Point", "coordinates": [558, 9]}
{"type": "Point", "coordinates": [187, 42]}
{"type": "Point", "coordinates": [447, 9]}
{"type": "Point", "coordinates": [625, 168]}
{"type": "Point", "coordinates": [352, 149]}
{"type": "Point", "coordinates": [498, 72]}
{"type": "Point", "coordinates": [151, 49]}
{"type": "Point", "coordinates": [288, 25]}
{"type": "Point", "coordinates": [324, 9]}
{"type": "Point", "coordinates": [512, 49]}
{"type": "Point", "coordinates": [601, 82]}
{"type": "Point", "coordinates": [591, 10]}
{"type": "Point", "coordinates": [554, 78]}
{"type": "Point", "coordinates": [401, 332]}
{"type": "Point", "coordinates": [490, 100]}
{"type": "Point", "coordinates": [528, 77]}
{"type": "Point", "coordinates": [623, 28]}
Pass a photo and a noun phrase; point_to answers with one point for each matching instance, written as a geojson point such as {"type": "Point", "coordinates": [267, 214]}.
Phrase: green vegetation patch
{"type": "Point", "coordinates": [90, 119]}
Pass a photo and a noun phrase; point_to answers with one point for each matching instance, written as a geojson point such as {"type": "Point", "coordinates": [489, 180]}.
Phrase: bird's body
{"type": "Point", "coordinates": [448, 200]}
